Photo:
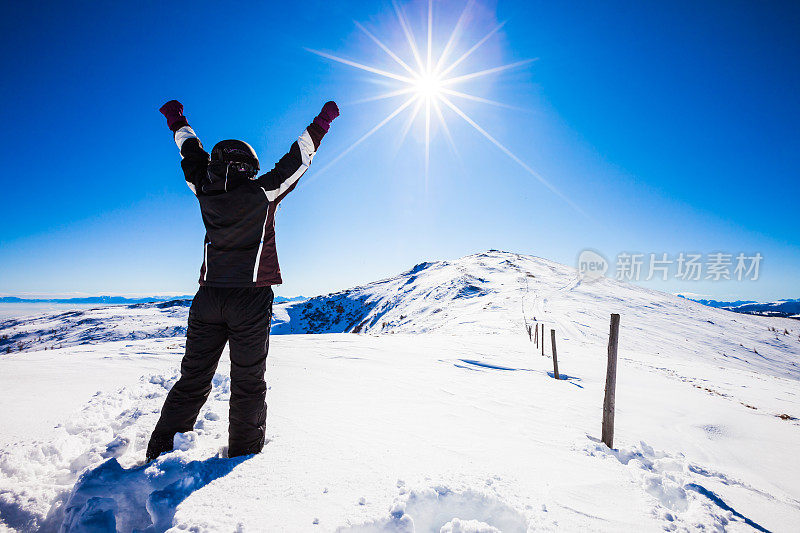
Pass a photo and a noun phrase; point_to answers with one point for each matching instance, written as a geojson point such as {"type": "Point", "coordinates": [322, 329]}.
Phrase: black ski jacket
{"type": "Point", "coordinates": [239, 213]}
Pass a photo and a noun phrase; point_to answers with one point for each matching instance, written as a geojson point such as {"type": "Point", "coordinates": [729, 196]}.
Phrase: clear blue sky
{"type": "Point", "coordinates": [674, 126]}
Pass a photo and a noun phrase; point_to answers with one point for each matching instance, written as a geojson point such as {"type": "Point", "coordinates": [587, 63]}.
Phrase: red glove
{"type": "Point", "coordinates": [173, 112]}
{"type": "Point", "coordinates": [329, 112]}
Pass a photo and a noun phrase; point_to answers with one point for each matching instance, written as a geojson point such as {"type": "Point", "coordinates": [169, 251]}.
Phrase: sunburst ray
{"type": "Point", "coordinates": [427, 140]}
{"type": "Point", "coordinates": [386, 49]}
{"type": "Point", "coordinates": [466, 96]}
{"type": "Point", "coordinates": [409, 35]}
{"type": "Point", "coordinates": [430, 37]}
{"type": "Point", "coordinates": [384, 73]}
{"type": "Point", "coordinates": [408, 124]}
{"type": "Point", "coordinates": [384, 96]}
{"type": "Point", "coordinates": [454, 35]}
{"type": "Point", "coordinates": [469, 52]}
{"type": "Point", "coordinates": [486, 72]}
{"type": "Point", "coordinates": [510, 154]}
{"type": "Point", "coordinates": [445, 128]}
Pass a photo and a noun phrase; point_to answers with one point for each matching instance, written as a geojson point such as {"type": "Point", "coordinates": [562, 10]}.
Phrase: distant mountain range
{"type": "Point", "coordinates": [781, 308]}
{"type": "Point", "coordinates": [107, 300]}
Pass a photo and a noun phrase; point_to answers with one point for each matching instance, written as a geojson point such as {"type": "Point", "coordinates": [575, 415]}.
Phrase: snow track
{"type": "Point", "coordinates": [681, 498]}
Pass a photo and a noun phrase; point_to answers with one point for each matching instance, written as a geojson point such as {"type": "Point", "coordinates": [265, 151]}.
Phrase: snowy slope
{"type": "Point", "coordinates": [499, 292]}
{"type": "Point", "coordinates": [440, 416]}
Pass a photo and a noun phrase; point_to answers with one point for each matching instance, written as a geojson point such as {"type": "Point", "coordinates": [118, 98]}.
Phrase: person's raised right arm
{"type": "Point", "coordinates": [194, 159]}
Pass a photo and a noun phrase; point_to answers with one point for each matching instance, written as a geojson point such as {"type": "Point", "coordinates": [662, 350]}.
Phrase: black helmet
{"type": "Point", "coordinates": [232, 163]}
{"type": "Point", "coordinates": [233, 151]}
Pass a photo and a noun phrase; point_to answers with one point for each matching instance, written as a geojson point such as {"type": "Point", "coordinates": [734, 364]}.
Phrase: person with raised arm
{"type": "Point", "coordinates": [240, 264]}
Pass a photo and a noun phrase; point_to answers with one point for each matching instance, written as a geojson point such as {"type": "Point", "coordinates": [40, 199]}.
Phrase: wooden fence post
{"type": "Point", "coordinates": [542, 338]}
{"type": "Point", "coordinates": [555, 356]}
{"type": "Point", "coordinates": [611, 383]}
{"type": "Point", "coordinates": [536, 336]}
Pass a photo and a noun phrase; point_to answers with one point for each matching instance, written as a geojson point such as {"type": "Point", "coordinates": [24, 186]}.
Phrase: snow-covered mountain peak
{"type": "Point", "coordinates": [479, 292]}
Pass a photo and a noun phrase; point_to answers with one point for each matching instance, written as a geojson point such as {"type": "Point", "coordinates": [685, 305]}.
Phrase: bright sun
{"type": "Point", "coordinates": [428, 85]}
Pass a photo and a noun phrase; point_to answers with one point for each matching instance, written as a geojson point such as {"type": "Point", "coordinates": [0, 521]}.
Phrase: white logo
{"type": "Point", "coordinates": [591, 265]}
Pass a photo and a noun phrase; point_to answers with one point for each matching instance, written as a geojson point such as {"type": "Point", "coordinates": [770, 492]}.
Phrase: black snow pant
{"type": "Point", "coordinates": [241, 316]}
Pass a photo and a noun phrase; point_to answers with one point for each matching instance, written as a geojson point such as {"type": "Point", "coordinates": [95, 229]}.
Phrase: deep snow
{"type": "Point", "coordinates": [439, 416]}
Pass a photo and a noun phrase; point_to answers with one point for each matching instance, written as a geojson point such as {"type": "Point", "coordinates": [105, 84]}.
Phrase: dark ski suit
{"type": "Point", "coordinates": [234, 302]}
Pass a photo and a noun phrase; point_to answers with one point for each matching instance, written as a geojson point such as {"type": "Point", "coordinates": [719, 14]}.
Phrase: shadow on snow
{"type": "Point", "coordinates": [142, 498]}
{"type": "Point", "coordinates": [722, 505]}
{"type": "Point", "coordinates": [473, 364]}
